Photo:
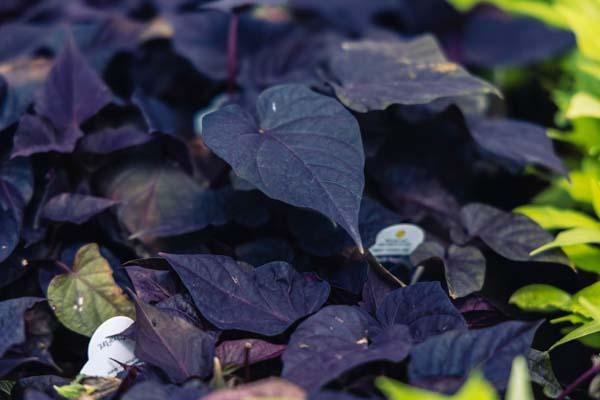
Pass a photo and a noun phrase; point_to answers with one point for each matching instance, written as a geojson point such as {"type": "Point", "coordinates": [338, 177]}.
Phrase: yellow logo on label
{"type": "Point", "coordinates": [400, 233]}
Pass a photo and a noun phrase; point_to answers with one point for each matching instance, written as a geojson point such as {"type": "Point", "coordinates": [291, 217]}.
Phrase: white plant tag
{"type": "Point", "coordinates": [102, 349]}
{"type": "Point", "coordinates": [397, 240]}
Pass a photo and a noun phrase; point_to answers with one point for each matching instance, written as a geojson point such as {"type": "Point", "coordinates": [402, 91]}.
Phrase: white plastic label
{"type": "Point", "coordinates": [103, 349]}
{"type": "Point", "coordinates": [397, 240]}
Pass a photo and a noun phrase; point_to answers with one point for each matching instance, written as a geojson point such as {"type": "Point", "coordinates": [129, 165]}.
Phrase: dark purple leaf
{"type": "Point", "coordinates": [158, 116]}
{"type": "Point", "coordinates": [151, 285]}
{"type": "Point", "coordinates": [520, 142]}
{"type": "Point", "coordinates": [375, 289]}
{"type": "Point", "coordinates": [264, 250]}
{"type": "Point", "coordinates": [513, 236]}
{"type": "Point", "coordinates": [464, 266]}
{"type": "Point", "coordinates": [372, 75]}
{"type": "Point", "coordinates": [171, 343]}
{"type": "Point", "coordinates": [336, 340]}
{"type": "Point", "coordinates": [416, 193]}
{"type": "Point", "coordinates": [301, 137]}
{"type": "Point", "coordinates": [16, 190]}
{"type": "Point", "coordinates": [75, 208]}
{"type": "Point", "coordinates": [158, 199]}
{"type": "Point", "coordinates": [12, 321]}
{"type": "Point", "coordinates": [353, 16]}
{"type": "Point", "coordinates": [150, 390]}
{"type": "Point", "coordinates": [423, 307]}
{"type": "Point", "coordinates": [109, 140]}
{"type": "Point", "coordinates": [73, 92]}
{"type": "Point", "coordinates": [443, 362]}
{"type": "Point", "coordinates": [524, 41]}
{"type": "Point", "coordinates": [231, 295]}
{"type": "Point", "coordinates": [19, 82]}
{"type": "Point", "coordinates": [202, 38]}
{"type": "Point", "coordinates": [296, 58]}
{"type": "Point", "coordinates": [247, 351]}
{"type": "Point", "coordinates": [182, 305]}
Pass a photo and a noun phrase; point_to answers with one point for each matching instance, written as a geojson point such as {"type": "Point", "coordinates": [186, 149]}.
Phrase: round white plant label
{"type": "Point", "coordinates": [103, 349]}
{"type": "Point", "coordinates": [397, 240]}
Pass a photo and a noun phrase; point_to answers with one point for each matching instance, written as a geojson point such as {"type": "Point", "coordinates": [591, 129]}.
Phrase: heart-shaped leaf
{"type": "Point", "coordinates": [88, 295]}
{"type": "Point", "coordinates": [74, 207]}
{"type": "Point", "coordinates": [520, 142]}
{"type": "Point", "coordinates": [72, 93]}
{"type": "Point", "coordinates": [464, 266]}
{"type": "Point", "coordinates": [511, 235]}
{"type": "Point", "coordinates": [173, 344]}
{"type": "Point", "coordinates": [337, 339]}
{"type": "Point", "coordinates": [232, 295]}
{"type": "Point", "coordinates": [443, 361]}
{"type": "Point", "coordinates": [16, 190]}
{"type": "Point", "coordinates": [371, 75]}
{"type": "Point", "coordinates": [303, 148]}
{"type": "Point", "coordinates": [423, 307]}
{"type": "Point", "coordinates": [12, 322]}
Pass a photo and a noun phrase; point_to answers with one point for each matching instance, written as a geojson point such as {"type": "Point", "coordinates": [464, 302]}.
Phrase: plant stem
{"type": "Point", "coordinates": [382, 271]}
{"type": "Point", "coordinates": [232, 52]}
{"type": "Point", "coordinates": [593, 370]}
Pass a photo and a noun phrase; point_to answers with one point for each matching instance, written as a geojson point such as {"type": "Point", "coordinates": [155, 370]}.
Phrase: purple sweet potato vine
{"type": "Point", "coordinates": [220, 170]}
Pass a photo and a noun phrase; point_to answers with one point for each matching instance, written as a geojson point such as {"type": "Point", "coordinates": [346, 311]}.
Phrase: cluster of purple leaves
{"type": "Point", "coordinates": [339, 119]}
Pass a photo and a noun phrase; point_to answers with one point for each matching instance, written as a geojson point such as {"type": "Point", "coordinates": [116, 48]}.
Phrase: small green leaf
{"type": "Point", "coordinates": [519, 387]}
{"type": "Point", "coordinates": [549, 217]}
{"type": "Point", "coordinates": [571, 237]}
{"type": "Point", "coordinates": [88, 295]}
{"type": "Point", "coordinates": [585, 257]}
{"type": "Point", "coordinates": [583, 105]}
{"type": "Point", "coordinates": [74, 390]}
{"type": "Point", "coordinates": [573, 319]}
{"type": "Point", "coordinates": [589, 328]}
{"type": "Point", "coordinates": [541, 298]}
{"type": "Point", "coordinates": [476, 387]}
{"type": "Point", "coordinates": [586, 298]}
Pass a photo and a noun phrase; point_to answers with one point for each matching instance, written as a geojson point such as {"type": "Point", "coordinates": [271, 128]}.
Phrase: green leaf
{"type": "Point", "coordinates": [589, 328]}
{"type": "Point", "coordinates": [571, 237]}
{"type": "Point", "coordinates": [74, 390]}
{"type": "Point", "coordinates": [582, 16]}
{"type": "Point", "coordinates": [573, 319]}
{"type": "Point", "coordinates": [549, 217]}
{"type": "Point", "coordinates": [85, 297]}
{"type": "Point", "coordinates": [583, 104]}
{"type": "Point", "coordinates": [591, 295]}
{"type": "Point", "coordinates": [519, 387]}
{"type": "Point", "coordinates": [584, 256]}
{"type": "Point", "coordinates": [539, 9]}
{"type": "Point", "coordinates": [476, 387]}
{"type": "Point", "coordinates": [541, 298]}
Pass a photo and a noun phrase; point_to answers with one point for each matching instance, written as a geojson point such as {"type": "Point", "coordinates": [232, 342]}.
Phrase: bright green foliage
{"type": "Point", "coordinates": [551, 218]}
{"type": "Point", "coordinates": [519, 387]}
{"type": "Point", "coordinates": [570, 206]}
{"type": "Point", "coordinates": [476, 387]}
{"type": "Point", "coordinates": [583, 308]}
{"type": "Point", "coordinates": [540, 9]}
{"type": "Point", "coordinates": [541, 298]}
{"type": "Point", "coordinates": [88, 295]}
{"type": "Point", "coordinates": [571, 237]}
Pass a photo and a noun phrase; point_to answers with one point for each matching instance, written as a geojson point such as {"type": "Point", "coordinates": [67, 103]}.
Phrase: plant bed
{"type": "Point", "coordinates": [270, 199]}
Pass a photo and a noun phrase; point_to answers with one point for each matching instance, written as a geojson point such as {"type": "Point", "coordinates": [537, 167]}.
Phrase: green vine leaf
{"type": "Point", "coordinates": [87, 296]}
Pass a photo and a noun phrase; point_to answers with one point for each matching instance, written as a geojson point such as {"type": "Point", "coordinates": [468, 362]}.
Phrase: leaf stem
{"type": "Point", "coordinates": [382, 271]}
{"type": "Point", "coordinates": [593, 370]}
{"type": "Point", "coordinates": [232, 52]}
